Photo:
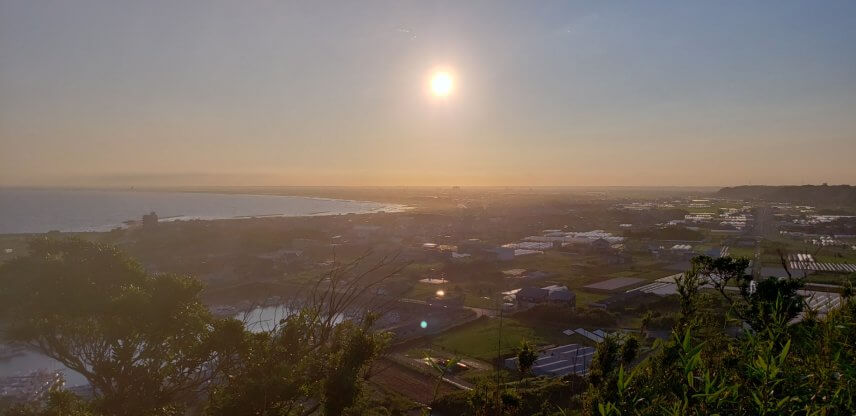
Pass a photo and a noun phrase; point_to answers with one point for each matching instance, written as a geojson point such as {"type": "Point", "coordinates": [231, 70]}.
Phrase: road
{"type": "Point", "coordinates": [764, 226]}
{"type": "Point", "coordinates": [478, 311]}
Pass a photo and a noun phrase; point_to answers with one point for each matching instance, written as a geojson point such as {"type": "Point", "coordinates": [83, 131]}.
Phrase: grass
{"type": "Point", "coordinates": [747, 252]}
{"type": "Point", "coordinates": [830, 278]}
{"type": "Point", "coordinates": [476, 301]}
{"type": "Point", "coordinates": [480, 339]}
{"type": "Point", "coordinates": [585, 298]}
{"type": "Point", "coordinates": [551, 261]}
{"type": "Point", "coordinates": [422, 291]}
{"type": "Point", "coordinates": [835, 259]}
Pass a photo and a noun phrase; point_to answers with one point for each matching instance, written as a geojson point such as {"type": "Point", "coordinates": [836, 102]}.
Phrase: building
{"type": "Point", "coordinates": [150, 220]}
{"type": "Point", "coordinates": [613, 285]}
{"type": "Point", "coordinates": [562, 296]}
{"type": "Point", "coordinates": [617, 301]}
{"type": "Point", "coordinates": [531, 295]}
{"type": "Point", "coordinates": [554, 294]}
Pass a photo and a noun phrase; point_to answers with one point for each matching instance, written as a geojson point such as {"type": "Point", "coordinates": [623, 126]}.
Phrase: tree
{"type": "Point", "coordinates": [57, 403]}
{"type": "Point", "coordinates": [313, 360]}
{"type": "Point", "coordinates": [144, 342]}
{"type": "Point", "coordinates": [645, 323]}
{"type": "Point", "coordinates": [753, 305]}
{"type": "Point", "coordinates": [526, 358]}
{"type": "Point", "coordinates": [440, 370]}
{"type": "Point", "coordinates": [774, 366]}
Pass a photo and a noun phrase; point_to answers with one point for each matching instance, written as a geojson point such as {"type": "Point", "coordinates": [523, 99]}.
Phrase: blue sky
{"type": "Point", "coordinates": [333, 93]}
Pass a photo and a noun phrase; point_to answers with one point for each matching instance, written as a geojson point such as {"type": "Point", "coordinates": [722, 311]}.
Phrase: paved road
{"type": "Point", "coordinates": [764, 226]}
{"type": "Point", "coordinates": [478, 311]}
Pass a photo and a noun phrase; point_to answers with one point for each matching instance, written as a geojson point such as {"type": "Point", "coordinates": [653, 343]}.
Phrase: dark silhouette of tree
{"type": "Point", "coordinates": [526, 358]}
{"type": "Point", "coordinates": [143, 341]}
{"type": "Point", "coordinates": [312, 361]}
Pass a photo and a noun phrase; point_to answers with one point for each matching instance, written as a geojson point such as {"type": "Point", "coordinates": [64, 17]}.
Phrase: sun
{"type": "Point", "coordinates": [442, 84]}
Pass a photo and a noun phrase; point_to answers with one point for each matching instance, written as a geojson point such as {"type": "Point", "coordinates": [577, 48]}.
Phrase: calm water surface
{"type": "Point", "coordinates": [41, 210]}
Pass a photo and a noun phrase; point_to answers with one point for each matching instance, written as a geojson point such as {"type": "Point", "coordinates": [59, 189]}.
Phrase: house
{"type": "Point", "coordinates": [561, 295]}
{"type": "Point", "coordinates": [531, 295]}
{"type": "Point", "coordinates": [554, 294]}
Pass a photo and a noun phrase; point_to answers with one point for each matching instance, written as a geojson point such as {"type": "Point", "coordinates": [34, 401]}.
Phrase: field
{"type": "Point", "coordinates": [481, 338]}
{"type": "Point", "coordinates": [830, 278]}
{"type": "Point", "coordinates": [585, 298]}
{"type": "Point", "coordinates": [417, 386]}
{"type": "Point", "coordinates": [747, 252]}
{"type": "Point", "coordinates": [827, 254]}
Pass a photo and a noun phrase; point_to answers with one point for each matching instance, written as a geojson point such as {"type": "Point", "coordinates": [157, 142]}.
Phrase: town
{"type": "Point", "coordinates": [482, 270]}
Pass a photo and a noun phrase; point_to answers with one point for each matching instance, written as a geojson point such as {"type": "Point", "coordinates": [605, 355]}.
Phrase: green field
{"type": "Point", "coordinates": [831, 278]}
{"type": "Point", "coordinates": [772, 247]}
{"type": "Point", "coordinates": [585, 298]}
{"type": "Point", "coordinates": [480, 339]}
{"type": "Point", "coordinates": [747, 252]}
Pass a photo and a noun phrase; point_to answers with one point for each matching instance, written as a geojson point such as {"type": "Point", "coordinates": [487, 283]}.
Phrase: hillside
{"type": "Point", "coordinates": [820, 195]}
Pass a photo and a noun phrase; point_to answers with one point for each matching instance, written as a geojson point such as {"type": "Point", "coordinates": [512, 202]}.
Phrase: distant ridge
{"type": "Point", "coordinates": [824, 195]}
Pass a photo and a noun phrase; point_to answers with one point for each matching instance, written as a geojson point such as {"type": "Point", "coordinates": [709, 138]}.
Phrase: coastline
{"type": "Point", "coordinates": [232, 206]}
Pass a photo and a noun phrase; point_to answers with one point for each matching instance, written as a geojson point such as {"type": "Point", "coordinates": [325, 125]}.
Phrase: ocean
{"type": "Point", "coordinates": [43, 210]}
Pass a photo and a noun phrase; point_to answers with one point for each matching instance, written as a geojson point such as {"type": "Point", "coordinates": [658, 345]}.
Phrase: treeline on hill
{"type": "Point", "coordinates": [820, 195]}
{"type": "Point", "coordinates": [149, 347]}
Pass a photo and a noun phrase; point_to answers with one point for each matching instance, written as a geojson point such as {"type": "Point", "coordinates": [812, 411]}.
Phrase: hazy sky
{"type": "Point", "coordinates": [335, 93]}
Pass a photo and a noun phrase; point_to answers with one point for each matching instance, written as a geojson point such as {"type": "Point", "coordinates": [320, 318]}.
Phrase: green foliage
{"type": "Point", "coordinates": [148, 346]}
{"type": "Point", "coordinates": [539, 396]}
{"type": "Point", "coordinates": [58, 403]}
{"type": "Point", "coordinates": [526, 357]}
{"type": "Point", "coordinates": [773, 367]}
{"type": "Point", "coordinates": [562, 315]}
{"type": "Point", "coordinates": [441, 371]}
{"type": "Point", "coordinates": [144, 342]}
{"type": "Point", "coordinates": [301, 366]}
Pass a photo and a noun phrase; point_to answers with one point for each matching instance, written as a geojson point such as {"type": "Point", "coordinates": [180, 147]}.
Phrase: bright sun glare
{"type": "Point", "coordinates": [442, 84]}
